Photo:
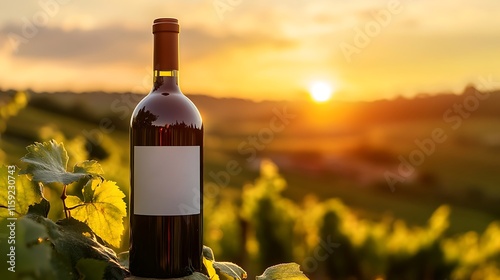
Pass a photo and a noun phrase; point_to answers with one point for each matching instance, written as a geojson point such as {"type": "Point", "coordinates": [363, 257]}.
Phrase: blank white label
{"type": "Point", "coordinates": [166, 180]}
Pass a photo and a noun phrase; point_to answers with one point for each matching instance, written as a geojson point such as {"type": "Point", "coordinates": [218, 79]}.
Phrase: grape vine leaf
{"type": "Point", "coordinates": [229, 271]}
{"type": "Point", "coordinates": [71, 241]}
{"type": "Point", "coordinates": [76, 240]}
{"type": "Point", "coordinates": [102, 209]}
{"type": "Point", "coordinates": [42, 208]}
{"type": "Point", "coordinates": [288, 271]}
{"type": "Point", "coordinates": [47, 162]}
{"type": "Point", "coordinates": [221, 270]}
{"type": "Point", "coordinates": [26, 193]}
{"type": "Point", "coordinates": [209, 266]}
{"type": "Point", "coordinates": [91, 167]}
{"type": "Point", "coordinates": [208, 253]}
{"type": "Point", "coordinates": [33, 247]}
{"type": "Point", "coordinates": [31, 255]}
{"type": "Point", "coordinates": [91, 269]}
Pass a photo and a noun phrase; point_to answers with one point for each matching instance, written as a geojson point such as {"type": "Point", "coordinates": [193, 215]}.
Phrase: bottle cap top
{"type": "Point", "coordinates": [165, 25]}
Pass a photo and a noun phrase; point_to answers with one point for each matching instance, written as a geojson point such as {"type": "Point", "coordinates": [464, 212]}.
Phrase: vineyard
{"type": "Point", "coordinates": [332, 243]}
{"type": "Point", "coordinates": [256, 222]}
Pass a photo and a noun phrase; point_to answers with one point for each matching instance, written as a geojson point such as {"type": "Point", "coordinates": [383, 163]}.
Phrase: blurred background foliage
{"type": "Point", "coordinates": [313, 195]}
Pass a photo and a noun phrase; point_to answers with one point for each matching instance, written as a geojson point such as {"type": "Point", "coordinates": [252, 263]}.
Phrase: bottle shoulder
{"type": "Point", "coordinates": [163, 109]}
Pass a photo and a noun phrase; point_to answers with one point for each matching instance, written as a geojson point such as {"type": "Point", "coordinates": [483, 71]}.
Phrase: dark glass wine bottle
{"type": "Point", "coordinates": [166, 161]}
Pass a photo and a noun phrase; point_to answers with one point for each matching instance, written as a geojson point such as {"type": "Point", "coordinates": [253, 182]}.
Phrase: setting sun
{"type": "Point", "coordinates": [320, 91]}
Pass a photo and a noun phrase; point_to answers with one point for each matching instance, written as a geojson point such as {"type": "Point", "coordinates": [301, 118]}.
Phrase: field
{"type": "Point", "coordinates": [322, 151]}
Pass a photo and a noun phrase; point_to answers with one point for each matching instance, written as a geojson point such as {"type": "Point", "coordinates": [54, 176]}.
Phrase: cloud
{"type": "Point", "coordinates": [118, 44]}
{"type": "Point", "coordinates": [104, 45]}
{"type": "Point", "coordinates": [197, 42]}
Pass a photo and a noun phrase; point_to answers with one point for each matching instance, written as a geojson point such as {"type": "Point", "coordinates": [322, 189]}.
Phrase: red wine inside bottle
{"type": "Point", "coordinates": [166, 152]}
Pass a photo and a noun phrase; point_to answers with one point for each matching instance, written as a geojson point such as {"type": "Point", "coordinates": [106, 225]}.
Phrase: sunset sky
{"type": "Point", "coordinates": [254, 48]}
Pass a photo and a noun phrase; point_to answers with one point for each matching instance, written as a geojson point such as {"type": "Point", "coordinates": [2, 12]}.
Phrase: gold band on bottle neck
{"type": "Point", "coordinates": [169, 73]}
{"type": "Point", "coordinates": [158, 74]}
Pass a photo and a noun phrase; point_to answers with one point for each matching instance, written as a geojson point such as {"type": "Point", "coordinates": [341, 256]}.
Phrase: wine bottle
{"type": "Point", "coordinates": [166, 161]}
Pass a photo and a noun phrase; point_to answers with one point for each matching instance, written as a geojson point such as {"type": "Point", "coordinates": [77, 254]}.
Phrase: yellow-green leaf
{"type": "Point", "coordinates": [286, 271]}
{"type": "Point", "coordinates": [103, 209]}
{"type": "Point", "coordinates": [73, 202]}
{"type": "Point", "coordinates": [209, 265]}
{"type": "Point", "coordinates": [91, 167]}
{"type": "Point", "coordinates": [20, 198]}
{"type": "Point", "coordinates": [229, 271]}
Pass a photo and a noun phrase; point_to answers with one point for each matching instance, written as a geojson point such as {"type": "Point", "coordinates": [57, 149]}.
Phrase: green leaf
{"type": "Point", "coordinates": [42, 208]}
{"type": "Point", "coordinates": [47, 162]}
{"type": "Point", "coordinates": [71, 241]}
{"type": "Point", "coordinates": [229, 271]}
{"type": "Point", "coordinates": [208, 253]}
{"type": "Point", "coordinates": [32, 254]}
{"type": "Point", "coordinates": [91, 167]}
{"type": "Point", "coordinates": [221, 270]}
{"type": "Point", "coordinates": [26, 193]}
{"type": "Point", "coordinates": [103, 209]}
{"type": "Point", "coordinates": [91, 269]}
{"type": "Point", "coordinates": [288, 271]}
{"type": "Point", "coordinates": [76, 240]}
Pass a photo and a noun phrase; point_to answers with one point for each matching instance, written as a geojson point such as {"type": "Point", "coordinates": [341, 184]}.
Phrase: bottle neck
{"type": "Point", "coordinates": [166, 61]}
